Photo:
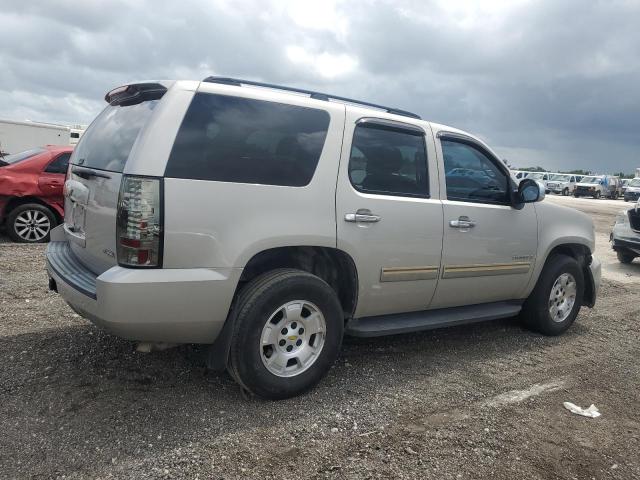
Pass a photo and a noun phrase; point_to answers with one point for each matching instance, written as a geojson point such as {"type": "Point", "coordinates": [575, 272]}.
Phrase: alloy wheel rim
{"type": "Point", "coordinates": [292, 338]}
{"type": "Point", "coordinates": [562, 297]}
{"type": "Point", "coordinates": [32, 225]}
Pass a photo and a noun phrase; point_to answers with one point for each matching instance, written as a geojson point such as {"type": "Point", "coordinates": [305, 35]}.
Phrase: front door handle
{"type": "Point", "coordinates": [462, 222]}
{"type": "Point", "coordinates": [363, 215]}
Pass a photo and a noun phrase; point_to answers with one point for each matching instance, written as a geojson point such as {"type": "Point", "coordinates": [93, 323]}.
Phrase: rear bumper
{"type": "Point", "coordinates": [623, 237]}
{"type": "Point", "coordinates": [631, 196]}
{"type": "Point", "coordinates": [158, 305]}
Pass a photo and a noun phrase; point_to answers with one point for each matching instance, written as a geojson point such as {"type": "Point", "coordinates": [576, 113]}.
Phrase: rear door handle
{"type": "Point", "coordinates": [462, 222]}
{"type": "Point", "coordinates": [363, 215]}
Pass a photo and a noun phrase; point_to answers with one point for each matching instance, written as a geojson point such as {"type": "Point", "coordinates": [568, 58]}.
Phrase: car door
{"type": "Point", "coordinates": [489, 247]}
{"type": "Point", "coordinates": [51, 180]}
{"type": "Point", "coordinates": [389, 216]}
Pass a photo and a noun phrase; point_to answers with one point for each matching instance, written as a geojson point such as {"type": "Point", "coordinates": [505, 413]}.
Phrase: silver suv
{"type": "Point", "coordinates": [269, 222]}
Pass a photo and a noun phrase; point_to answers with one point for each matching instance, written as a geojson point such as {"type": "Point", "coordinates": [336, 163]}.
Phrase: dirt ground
{"type": "Point", "coordinates": [481, 401]}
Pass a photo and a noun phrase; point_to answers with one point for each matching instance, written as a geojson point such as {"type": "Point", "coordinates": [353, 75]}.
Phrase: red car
{"type": "Point", "coordinates": [31, 200]}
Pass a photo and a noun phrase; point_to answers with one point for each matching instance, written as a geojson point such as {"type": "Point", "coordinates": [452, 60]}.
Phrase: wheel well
{"type": "Point", "coordinates": [330, 264]}
{"type": "Point", "coordinates": [17, 201]}
{"type": "Point", "coordinates": [580, 252]}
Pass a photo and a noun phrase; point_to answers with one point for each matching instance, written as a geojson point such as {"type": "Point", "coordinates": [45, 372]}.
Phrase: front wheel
{"type": "Point", "coordinates": [625, 257]}
{"type": "Point", "coordinates": [287, 333]}
{"type": "Point", "coordinates": [30, 223]}
{"type": "Point", "coordinates": [597, 195]}
{"type": "Point", "coordinates": [557, 297]}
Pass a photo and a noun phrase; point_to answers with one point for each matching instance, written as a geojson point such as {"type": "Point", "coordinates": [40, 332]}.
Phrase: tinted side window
{"type": "Point", "coordinates": [59, 164]}
{"type": "Point", "coordinates": [232, 139]}
{"type": "Point", "coordinates": [388, 162]}
{"type": "Point", "coordinates": [471, 176]}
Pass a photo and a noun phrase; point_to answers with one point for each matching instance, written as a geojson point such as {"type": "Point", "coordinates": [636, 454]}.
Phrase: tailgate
{"type": "Point", "coordinates": [90, 217]}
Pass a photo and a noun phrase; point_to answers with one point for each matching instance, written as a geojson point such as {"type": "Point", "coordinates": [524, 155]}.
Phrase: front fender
{"type": "Point", "coordinates": [560, 228]}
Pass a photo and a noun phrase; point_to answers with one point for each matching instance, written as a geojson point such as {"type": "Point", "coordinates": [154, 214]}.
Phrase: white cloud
{"type": "Point", "coordinates": [541, 78]}
{"type": "Point", "coordinates": [326, 64]}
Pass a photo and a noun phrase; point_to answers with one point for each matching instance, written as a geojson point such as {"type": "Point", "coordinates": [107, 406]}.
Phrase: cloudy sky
{"type": "Point", "coordinates": [545, 82]}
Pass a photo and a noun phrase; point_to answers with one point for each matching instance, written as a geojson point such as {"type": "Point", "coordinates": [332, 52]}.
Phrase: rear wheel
{"type": "Point", "coordinates": [556, 300]}
{"type": "Point", "coordinates": [625, 257]}
{"type": "Point", "coordinates": [597, 195]}
{"type": "Point", "coordinates": [30, 223]}
{"type": "Point", "coordinates": [287, 333]}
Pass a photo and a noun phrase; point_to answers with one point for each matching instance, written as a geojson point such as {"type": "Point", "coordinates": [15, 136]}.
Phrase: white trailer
{"type": "Point", "coordinates": [19, 136]}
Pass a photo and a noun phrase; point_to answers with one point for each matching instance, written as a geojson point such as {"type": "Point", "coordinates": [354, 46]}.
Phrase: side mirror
{"type": "Point", "coordinates": [530, 191]}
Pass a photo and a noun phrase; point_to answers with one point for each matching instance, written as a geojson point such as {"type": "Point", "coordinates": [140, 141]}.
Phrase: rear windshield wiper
{"type": "Point", "coordinates": [87, 173]}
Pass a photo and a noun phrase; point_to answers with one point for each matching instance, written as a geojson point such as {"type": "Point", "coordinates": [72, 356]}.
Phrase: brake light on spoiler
{"type": "Point", "coordinates": [139, 227]}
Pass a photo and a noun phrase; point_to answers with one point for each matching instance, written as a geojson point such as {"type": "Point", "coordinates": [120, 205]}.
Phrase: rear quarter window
{"type": "Point", "coordinates": [232, 139]}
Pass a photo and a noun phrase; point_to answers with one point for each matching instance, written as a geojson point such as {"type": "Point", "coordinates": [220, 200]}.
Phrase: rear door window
{"type": "Point", "coordinates": [59, 164]}
{"type": "Point", "coordinates": [232, 139]}
{"type": "Point", "coordinates": [388, 161]}
{"type": "Point", "coordinates": [108, 141]}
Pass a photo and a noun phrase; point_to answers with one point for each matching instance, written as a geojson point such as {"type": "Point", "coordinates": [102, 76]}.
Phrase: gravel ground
{"type": "Point", "coordinates": [470, 402]}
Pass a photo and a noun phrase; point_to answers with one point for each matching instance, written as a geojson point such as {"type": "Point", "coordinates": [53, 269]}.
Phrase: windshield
{"type": "Point", "coordinates": [635, 182]}
{"type": "Point", "coordinates": [591, 180]}
{"type": "Point", "coordinates": [18, 157]}
{"type": "Point", "coordinates": [536, 176]}
{"type": "Point", "coordinates": [106, 144]}
{"type": "Point", "coordinates": [560, 178]}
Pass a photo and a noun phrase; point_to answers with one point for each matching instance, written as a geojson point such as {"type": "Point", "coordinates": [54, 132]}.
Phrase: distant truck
{"type": "Point", "coordinates": [20, 136]}
{"type": "Point", "coordinates": [597, 186]}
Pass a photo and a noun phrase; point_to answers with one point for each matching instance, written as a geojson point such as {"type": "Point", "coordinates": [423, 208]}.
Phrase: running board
{"type": "Point", "coordinates": [429, 319]}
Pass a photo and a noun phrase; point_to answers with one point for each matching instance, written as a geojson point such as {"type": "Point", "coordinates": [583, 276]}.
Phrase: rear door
{"type": "Point", "coordinates": [51, 180]}
{"type": "Point", "coordinates": [389, 217]}
{"type": "Point", "coordinates": [94, 179]}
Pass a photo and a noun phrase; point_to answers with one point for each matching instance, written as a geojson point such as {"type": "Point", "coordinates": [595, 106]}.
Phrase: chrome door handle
{"type": "Point", "coordinates": [363, 215]}
{"type": "Point", "coordinates": [462, 222]}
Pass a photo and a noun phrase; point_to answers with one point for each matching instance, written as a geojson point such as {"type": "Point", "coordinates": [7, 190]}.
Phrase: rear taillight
{"type": "Point", "coordinates": [139, 228]}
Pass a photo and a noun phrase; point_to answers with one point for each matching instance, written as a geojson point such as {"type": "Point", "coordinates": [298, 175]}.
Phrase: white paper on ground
{"type": "Point", "coordinates": [592, 411]}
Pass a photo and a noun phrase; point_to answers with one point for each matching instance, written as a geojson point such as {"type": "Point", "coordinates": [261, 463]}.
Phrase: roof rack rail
{"type": "Point", "coordinates": [315, 95]}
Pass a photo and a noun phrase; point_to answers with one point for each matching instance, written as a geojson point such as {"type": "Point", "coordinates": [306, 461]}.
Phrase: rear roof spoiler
{"type": "Point", "coordinates": [135, 93]}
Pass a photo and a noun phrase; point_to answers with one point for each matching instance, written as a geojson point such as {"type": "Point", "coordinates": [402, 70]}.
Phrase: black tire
{"type": "Point", "coordinates": [256, 303]}
{"type": "Point", "coordinates": [597, 195]}
{"type": "Point", "coordinates": [14, 230]}
{"type": "Point", "coordinates": [565, 192]}
{"type": "Point", "coordinates": [535, 311]}
{"type": "Point", "coordinates": [625, 257]}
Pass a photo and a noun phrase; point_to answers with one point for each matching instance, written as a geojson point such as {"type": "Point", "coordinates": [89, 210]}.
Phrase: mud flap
{"type": "Point", "coordinates": [589, 299]}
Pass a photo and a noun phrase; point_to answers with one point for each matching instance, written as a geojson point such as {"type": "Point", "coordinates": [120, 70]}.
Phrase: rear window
{"type": "Point", "coordinates": [18, 157]}
{"type": "Point", "coordinates": [108, 141]}
{"type": "Point", "coordinates": [231, 139]}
